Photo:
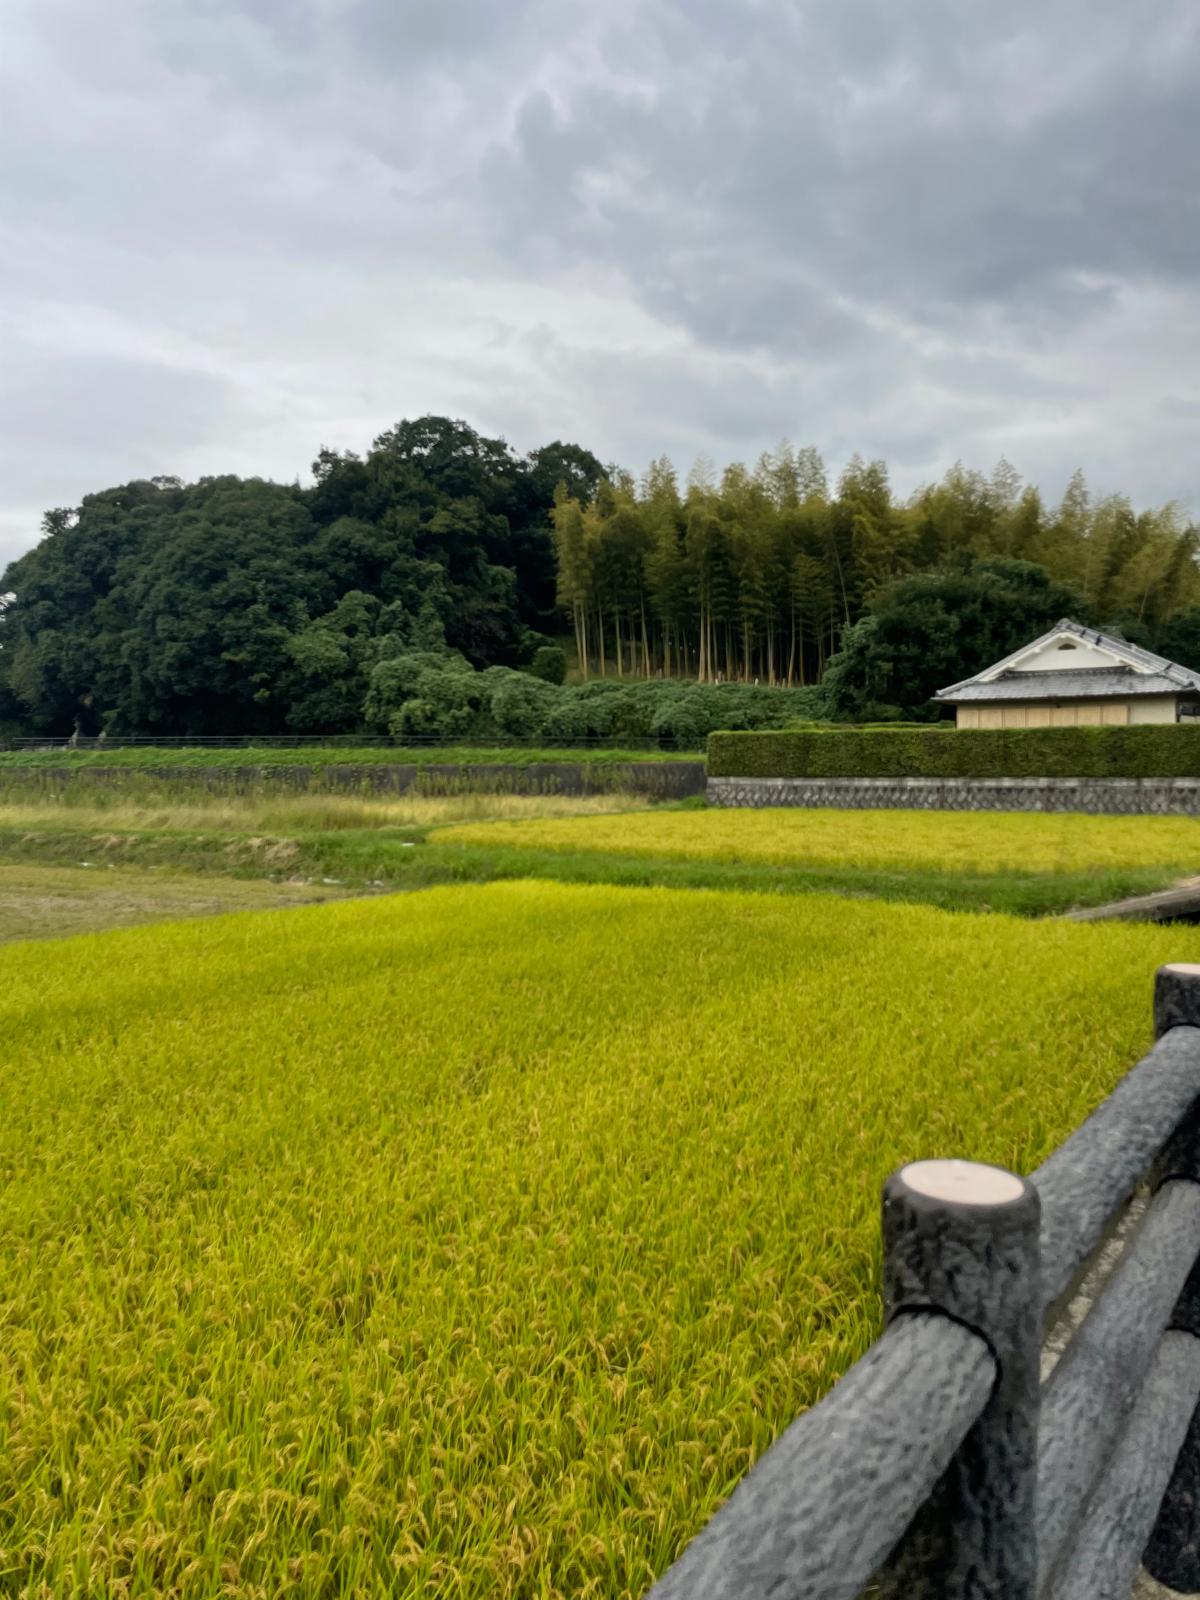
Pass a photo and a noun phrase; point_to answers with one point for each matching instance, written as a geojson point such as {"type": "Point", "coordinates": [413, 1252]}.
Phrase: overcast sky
{"type": "Point", "coordinates": [235, 230]}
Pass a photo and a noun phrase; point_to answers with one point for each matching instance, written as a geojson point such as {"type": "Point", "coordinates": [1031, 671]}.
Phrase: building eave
{"type": "Point", "coordinates": [1139, 662]}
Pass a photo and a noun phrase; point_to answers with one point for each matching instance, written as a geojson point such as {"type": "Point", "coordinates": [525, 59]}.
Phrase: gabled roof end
{"type": "Point", "coordinates": [1128, 656]}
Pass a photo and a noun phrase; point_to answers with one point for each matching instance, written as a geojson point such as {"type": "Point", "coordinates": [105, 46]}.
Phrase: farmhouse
{"type": "Point", "coordinates": [1071, 677]}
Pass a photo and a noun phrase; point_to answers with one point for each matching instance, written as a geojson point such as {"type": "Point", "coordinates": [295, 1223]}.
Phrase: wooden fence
{"type": "Point", "coordinates": [943, 1466]}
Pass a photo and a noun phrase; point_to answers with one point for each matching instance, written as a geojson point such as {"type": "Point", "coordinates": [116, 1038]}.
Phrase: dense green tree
{"type": "Point", "coordinates": [332, 657]}
{"type": "Point", "coordinates": [500, 504]}
{"type": "Point", "coordinates": [426, 694]}
{"type": "Point", "coordinates": [206, 613]}
{"type": "Point", "coordinates": [1179, 639]}
{"type": "Point", "coordinates": [928, 631]}
{"type": "Point", "coordinates": [229, 605]}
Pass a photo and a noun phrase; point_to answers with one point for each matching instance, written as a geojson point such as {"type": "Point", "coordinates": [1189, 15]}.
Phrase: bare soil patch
{"type": "Point", "coordinates": [51, 902]}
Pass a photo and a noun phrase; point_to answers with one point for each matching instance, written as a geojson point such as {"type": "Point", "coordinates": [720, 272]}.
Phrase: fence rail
{"type": "Point", "coordinates": [942, 1467]}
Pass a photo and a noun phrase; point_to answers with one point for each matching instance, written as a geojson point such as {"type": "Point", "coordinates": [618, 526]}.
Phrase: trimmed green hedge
{"type": "Point", "coordinates": [1170, 751]}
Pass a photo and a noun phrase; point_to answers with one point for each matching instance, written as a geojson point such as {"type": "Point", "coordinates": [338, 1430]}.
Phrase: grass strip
{"type": "Point", "coordinates": [418, 857]}
{"type": "Point", "coordinates": [164, 756]}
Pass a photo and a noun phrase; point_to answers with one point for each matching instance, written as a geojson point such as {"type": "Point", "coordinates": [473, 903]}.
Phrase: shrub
{"type": "Point", "coordinates": [426, 694]}
{"type": "Point", "coordinates": [1170, 751]}
{"type": "Point", "coordinates": [573, 718]}
{"type": "Point", "coordinates": [520, 705]}
{"type": "Point", "coordinates": [549, 664]}
{"type": "Point", "coordinates": [438, 694]}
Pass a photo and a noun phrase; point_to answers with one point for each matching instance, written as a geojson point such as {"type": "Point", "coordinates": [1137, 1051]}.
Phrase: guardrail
{"type": "Point", "coordinates": [941, 1467]}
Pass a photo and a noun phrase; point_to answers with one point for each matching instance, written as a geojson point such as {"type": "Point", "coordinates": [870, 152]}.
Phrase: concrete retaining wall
{"type": "Point", "coordinates": [654, 780]}
{"type": "Point", "coordinates": [1117, 796]}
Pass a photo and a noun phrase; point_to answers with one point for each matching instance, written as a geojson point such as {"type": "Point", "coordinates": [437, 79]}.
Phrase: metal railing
{"type": "Point", "coordinates": [941, 1467]}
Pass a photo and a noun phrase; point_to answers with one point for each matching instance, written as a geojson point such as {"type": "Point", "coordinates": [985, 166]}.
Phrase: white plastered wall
{"type": "Point", "coordinates": [1076, 714]}
{"type": "Point", "coordinates": [1153, 708]}
{"type": "Point", "coordinates": [1052, 657]}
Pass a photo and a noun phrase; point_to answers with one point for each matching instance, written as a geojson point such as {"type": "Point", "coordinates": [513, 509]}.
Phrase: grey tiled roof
{"type": "Point", "coordinates": [1083, 684]}
{"type": "Point", "coordinates": [1157, 675]}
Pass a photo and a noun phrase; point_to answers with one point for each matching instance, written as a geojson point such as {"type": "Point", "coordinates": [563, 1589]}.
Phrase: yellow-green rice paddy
{"type": "Point", "coordinates": [977, 842]}
{"type": "Point", "coordinates": [474, 1242]}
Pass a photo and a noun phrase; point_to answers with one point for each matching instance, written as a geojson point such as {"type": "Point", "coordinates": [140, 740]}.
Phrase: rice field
{"type": "Point", "coordinates": [975, 842]}
{"type": "Point", "coordinates": [474, 1243]}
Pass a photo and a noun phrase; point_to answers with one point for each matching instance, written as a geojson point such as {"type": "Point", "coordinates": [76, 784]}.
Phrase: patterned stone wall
{"type": "Point", "coordinates": [1119, 796]}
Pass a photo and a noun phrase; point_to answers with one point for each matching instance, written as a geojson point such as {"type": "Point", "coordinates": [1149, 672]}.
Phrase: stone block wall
{"type": "Point", "coordinates": [1115, 796]}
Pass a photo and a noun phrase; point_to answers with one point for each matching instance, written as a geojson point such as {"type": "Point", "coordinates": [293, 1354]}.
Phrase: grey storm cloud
{"type": "Point", "coordinates": [234, 230]}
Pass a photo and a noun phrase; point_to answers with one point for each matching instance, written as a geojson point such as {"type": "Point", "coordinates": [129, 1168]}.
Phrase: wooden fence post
{"type": "Point", "coordinates": [1173, 1552]}
{"type": "Point", "coordinates": [961, 1238]}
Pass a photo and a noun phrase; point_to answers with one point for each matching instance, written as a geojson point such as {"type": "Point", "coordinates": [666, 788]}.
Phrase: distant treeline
{"type": "Point", "coordinates": [388, 594]}
{"type": "Point", "coordinates": [235, 605]}
{"type": "Point", "coordinates": [756, 576]}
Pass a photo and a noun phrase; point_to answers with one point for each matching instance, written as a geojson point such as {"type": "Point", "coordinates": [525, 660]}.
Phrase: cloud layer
{"type": "Point", "coordinates": [234, 230]}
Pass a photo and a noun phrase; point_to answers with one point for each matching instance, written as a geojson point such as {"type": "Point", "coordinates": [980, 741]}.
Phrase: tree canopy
{"type": "Point", "coordinates": [760, 576]}
{"type": "Point", "coordinates": [928, 631]}
{"type": "Point", "coordinates": [236, 605]}
{"type": "Point", "coordinates": [243, 606]}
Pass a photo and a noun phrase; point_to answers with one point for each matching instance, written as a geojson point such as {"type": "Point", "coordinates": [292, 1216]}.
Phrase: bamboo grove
{"type": "Point", "coordinates": [754, 576]}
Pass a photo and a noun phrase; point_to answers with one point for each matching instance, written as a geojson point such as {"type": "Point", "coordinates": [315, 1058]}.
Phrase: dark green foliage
{"type": "Point", "coordinates": [237, 606]}
{"type": "Point", "coordinates": [929, 631]}
{"type": "Point", "coordinates": [427, 694]}
{"type": "Point", "coordinates": [438, 695]}
{"type": "Point", "coordinates": [1169, 751]}
{"type": "Point", "coordinates": [193, 632]}
{"type": "Point", "coordinates": [549, 664]}
{"type": "Point", "coordinates": [1180, 640]}
{"type": "Point", "coordinates": [519, 704]}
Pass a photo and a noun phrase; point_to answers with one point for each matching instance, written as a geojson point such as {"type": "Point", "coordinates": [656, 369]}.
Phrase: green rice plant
{"type": "Point", "coordinates": [948, 841]}
{"type": "Point", "coordinates": [475, 1243]}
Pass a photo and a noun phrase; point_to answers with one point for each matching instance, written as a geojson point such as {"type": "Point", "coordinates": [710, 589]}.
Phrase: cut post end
{"type": "Point", "coordinates": [1176, 997]}
{"type": "Point", "coordinates": [967, 1183]}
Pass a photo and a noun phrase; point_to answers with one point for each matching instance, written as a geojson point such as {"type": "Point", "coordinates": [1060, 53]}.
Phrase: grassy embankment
{"type": "Point", "coordinates": [1025, 864]}
{"type": "Point", "coordinates": [328, 755]}
{"type": "Point", "coordinates": [474, 1243]}
{"type": "Point", "coordinates": [89, 858]}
